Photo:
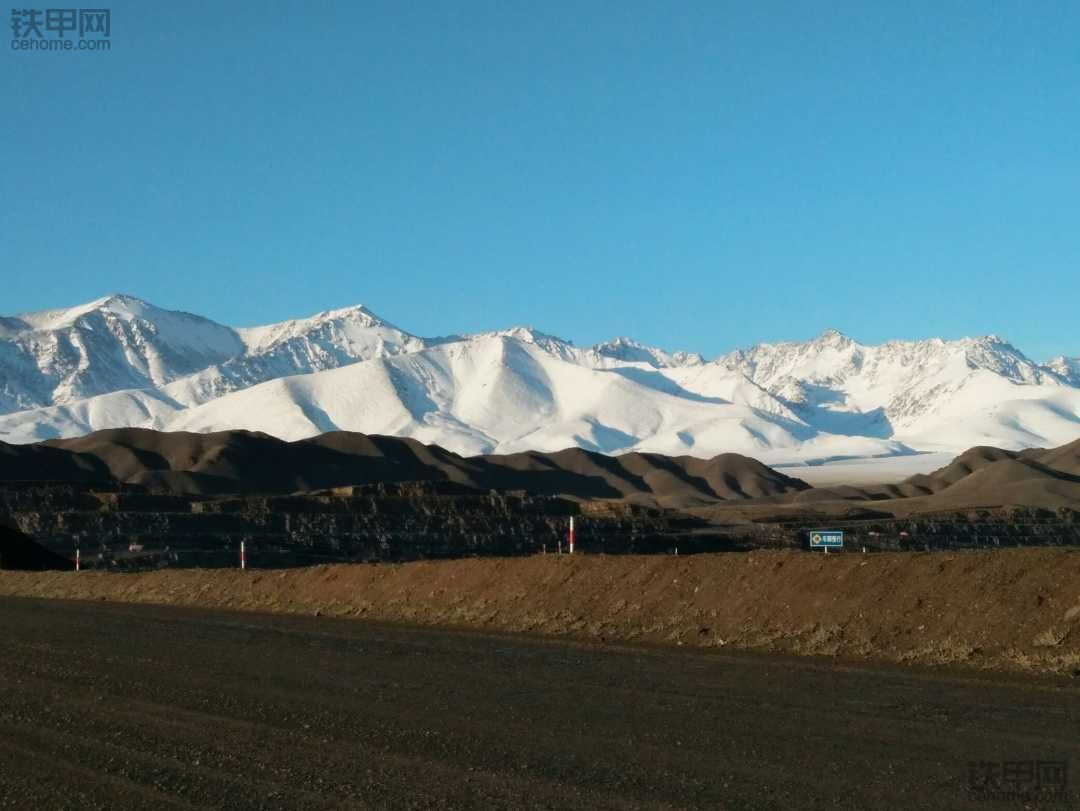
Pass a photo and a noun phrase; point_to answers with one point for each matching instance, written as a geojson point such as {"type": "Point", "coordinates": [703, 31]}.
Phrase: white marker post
{"type": "Point", "coordinates": [243, 559]}
{"type": "Point", "coordinates": [571, 536]}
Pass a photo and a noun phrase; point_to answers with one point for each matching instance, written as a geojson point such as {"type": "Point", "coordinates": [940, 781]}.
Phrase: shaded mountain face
{"type": "Point", "coordinates": [121, 362]}
{"type": "Point", "coordinates": [19, 552]}
{"type": "Point", "coordinates": [244, 462]}
{"type": "Point", "coordinates": [45, 463]}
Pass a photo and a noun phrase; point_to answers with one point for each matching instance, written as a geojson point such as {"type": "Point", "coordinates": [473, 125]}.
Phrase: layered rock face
{"type": "Point", "coordinates": [128, 528]}
{"type": "Point", "coordinates": [124, 527]}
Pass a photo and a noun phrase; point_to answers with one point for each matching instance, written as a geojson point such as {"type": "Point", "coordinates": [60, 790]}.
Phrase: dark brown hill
{"type": "Point", "coordinates": [1065, 459]}
{"type": "Point", "coordinates": [246, 462]}
{"type": "Point", "coordinates": [41, 462]}
{"type": "Point", "coordinates": [992, 477]}
{"type": "Point", "coordinates": [1010, 481]}
{"type": "Point", "coordinates": [982, 477]}
{"type": "Point", "coordinates": [666, 480]}
{"type": "Point", "coordinates": [963, 465]}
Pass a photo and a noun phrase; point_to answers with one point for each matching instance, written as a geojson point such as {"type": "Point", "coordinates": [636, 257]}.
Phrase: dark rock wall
{"type": "Point", "coordinates": [125, 527]}
{"type": "Point", "coordinates": [131, 529]}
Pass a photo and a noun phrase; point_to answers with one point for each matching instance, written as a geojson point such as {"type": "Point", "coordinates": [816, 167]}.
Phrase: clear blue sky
{"type": "Point", "coordinates": [696, 175]}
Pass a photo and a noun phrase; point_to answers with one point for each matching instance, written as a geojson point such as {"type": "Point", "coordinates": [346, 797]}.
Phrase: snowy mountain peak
{"type": "Point", "coordinates": [531, 335]}
{"type": "Point", "coordinates": [832, 337]}
{"type": "Point", "coordinates": [357, 312]}
{"type": "Point", "coordinates": [630, 351]}
{"type": "Point", "coordinates": [119, 307]}
{"type": "Point", "coordinates": [122, 303]}
{"type": "Point", "coordinates": [112, 343]}
{"type": "Point", "coordinates": [995, 354]}
{"type": "Point", "coordinates": [892, 389]}
{"type": "Point", "coordinates": [1068, 369]}
{"type": "Point", "coordinates": [991, 343]}
{"type": "Point", "coordinates": [326, 340]}
{"type": "Point", "coordinates": [354, 319]}
{"type": "Point", "coordinates": [551, 344]}
{"type": "Point", "coordinates": [118, 304]}
{"type": "Point", "coordinates": [120, 361]}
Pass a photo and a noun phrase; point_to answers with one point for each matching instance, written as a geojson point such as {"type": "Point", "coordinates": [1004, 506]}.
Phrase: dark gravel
{"type": "Point", "coordinates": [125, 706]}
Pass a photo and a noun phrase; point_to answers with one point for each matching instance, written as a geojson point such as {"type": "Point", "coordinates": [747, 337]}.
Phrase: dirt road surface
{"type": "Point", "coordinates": [134, 706]}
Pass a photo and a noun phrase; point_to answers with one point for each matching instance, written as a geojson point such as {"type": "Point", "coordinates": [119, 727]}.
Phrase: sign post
{"type": "Point", "coordinates": [827, 539]}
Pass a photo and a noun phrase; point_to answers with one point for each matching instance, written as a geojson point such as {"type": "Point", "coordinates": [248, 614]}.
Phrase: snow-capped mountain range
{"type": "Point", "coordinates": [120, 361]}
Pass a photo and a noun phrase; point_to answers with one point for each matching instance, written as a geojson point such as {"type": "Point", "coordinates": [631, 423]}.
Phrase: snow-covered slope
{"type": "Point", "coordinates": [113, 343]}
{"type": "Point", "coordinates": [119, 361]}
{"type": "Point", "coordinates": [496, 393]}
{"type": "Point", "coordinates": [324, 341]}
{"type": "Point", "coordinates": [925, 393]}
{"type": "Point", "coordinates": [138, 407]}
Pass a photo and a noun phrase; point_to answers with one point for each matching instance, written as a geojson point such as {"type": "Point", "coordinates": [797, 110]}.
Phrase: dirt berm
{"type": "Point", "coordinates": [1009, 610]}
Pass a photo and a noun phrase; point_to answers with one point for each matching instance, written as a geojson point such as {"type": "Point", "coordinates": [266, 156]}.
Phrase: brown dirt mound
{"type": "Point", "coordinates": [1013, 609]}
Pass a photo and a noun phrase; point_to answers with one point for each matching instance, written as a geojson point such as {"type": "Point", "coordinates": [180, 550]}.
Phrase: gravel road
{"type": "Point", "coordinates": [127, 706]}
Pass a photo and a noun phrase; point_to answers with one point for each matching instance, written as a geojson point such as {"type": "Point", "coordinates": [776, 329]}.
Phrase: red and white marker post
{"type": "Point", "coordinates": [570, 536]}
{"type": "Point", "coordinates": [77, 560]}
{"type": "Point", "coordinates": [243, 557]}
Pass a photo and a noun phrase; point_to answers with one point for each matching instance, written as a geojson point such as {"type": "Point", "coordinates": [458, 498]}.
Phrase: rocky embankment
{"type": "Point", "coordinates": [1013, 610]}
{"type": "Point", "coordinates": [126, 528]}
{"type": "Point", "coordinates": [121, 526]}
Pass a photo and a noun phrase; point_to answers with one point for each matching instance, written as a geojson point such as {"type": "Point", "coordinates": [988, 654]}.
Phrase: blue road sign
{"type": "Point", "coordinates": [820, 539]}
